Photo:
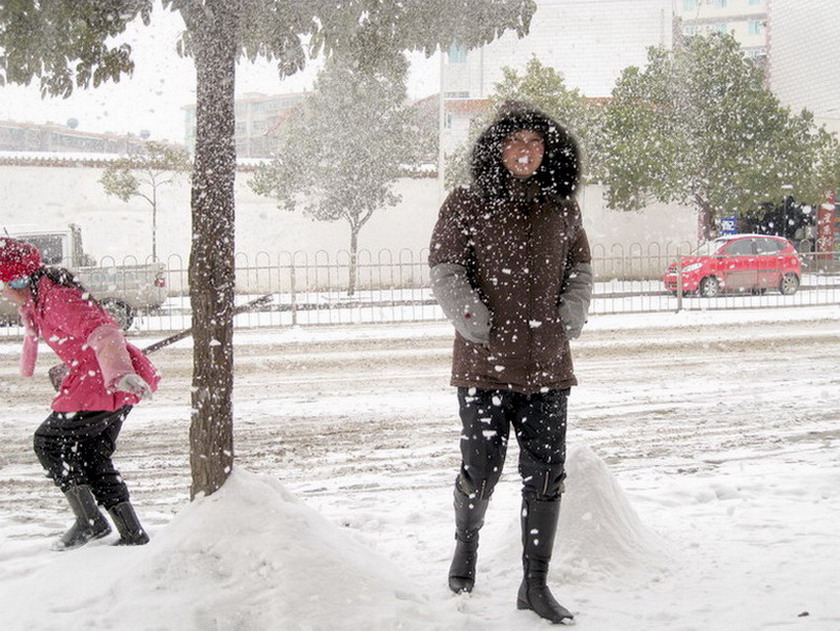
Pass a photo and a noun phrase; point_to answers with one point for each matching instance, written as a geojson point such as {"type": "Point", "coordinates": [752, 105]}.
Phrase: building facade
{"type": "Point", "coordinates": [258, 120]}
{"type": "Point", "coordinates": [54, 138]}
{"type": "Point", "coordinates": [745, 20]}
{"type": "Point", "coordinates": [589, 42]}
{"type": "Point", "coordinates": [804, 59]}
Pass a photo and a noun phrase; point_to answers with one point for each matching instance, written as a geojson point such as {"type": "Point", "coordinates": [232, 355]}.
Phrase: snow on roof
{"type": "Point", "coordinates": [58, 156]}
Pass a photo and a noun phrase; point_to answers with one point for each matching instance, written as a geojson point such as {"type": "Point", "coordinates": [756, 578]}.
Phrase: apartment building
{"type": "Point", "coordinates": [55, 138]}
{"type": "Point", "coordinates": [746, 20]}
{"type": "Point", "coordinates": [804, 59]}
{"type": "Point", "coordinates": [258, 119]}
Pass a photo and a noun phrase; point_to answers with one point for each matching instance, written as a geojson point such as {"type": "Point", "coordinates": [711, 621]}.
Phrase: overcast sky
{"type": "Point", "coordinates": [152, 99]}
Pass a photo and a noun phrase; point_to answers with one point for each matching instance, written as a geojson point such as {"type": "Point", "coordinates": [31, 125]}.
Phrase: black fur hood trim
{"type": "Point", "coordinates": [559, 173]}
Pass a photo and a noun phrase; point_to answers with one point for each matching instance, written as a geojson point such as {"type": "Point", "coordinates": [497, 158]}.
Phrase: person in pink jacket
{"type": "Point", "coordinates": [104, 377]}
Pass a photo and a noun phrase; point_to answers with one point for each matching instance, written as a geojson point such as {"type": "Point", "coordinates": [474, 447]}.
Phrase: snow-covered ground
{"type": "Point", "coordinates": [703, 491]}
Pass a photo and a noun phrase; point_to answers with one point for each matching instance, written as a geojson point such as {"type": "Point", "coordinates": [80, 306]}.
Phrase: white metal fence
{"type": "Point", "coordinates": [394, 287]}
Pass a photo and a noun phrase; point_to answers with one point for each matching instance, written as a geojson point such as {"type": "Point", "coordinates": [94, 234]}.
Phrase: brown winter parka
{"type": "Point", "coordinates": [521, 251]}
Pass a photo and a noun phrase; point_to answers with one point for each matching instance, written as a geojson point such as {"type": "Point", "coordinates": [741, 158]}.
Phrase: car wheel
{"type": "Point", "coordinates": [120, 311]}
{"type": "Point", "coordinates": [789, 284]}
{"type": "Point", "coordinates": [710, 287]}
{"type": "Point", "coordinates": [758, 291]}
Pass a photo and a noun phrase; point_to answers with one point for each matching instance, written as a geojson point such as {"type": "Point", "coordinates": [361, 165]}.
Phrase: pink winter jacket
{"type": "Point", "coordinates": [66, 319]}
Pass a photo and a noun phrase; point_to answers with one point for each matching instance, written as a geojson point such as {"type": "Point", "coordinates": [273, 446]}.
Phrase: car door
{"type": "Point", "coordinates": [769, 263]}
{"type": "Point", "coordinates": [738, 266]}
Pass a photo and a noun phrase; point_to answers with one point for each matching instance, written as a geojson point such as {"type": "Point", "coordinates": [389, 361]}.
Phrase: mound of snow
{"type": "Point", "coordinates": [599, 534]}
{"type": "Point", "coordinates": [247, 557]}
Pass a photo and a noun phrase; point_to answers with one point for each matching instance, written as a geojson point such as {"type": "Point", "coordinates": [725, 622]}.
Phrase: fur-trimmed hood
{"type": "Point", "coordinates": [559, 173]}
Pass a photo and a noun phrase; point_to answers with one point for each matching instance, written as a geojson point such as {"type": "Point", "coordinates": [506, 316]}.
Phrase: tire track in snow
{"type": "Point", "coordinates": [363, 415]}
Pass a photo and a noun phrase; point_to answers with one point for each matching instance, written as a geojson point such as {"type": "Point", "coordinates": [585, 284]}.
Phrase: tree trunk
{"type": "Point", "coordinates": [706, 220]}
{"type": "Point", "coordinates": [211, 268]}
{"type": "Point", "coordinates": [154, 222]}
{"type": "Point", "coordinates": [354, 259]}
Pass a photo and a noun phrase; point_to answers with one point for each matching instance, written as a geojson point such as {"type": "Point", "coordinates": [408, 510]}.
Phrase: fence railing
{"type": "Point", "coordinates": [394, 287]}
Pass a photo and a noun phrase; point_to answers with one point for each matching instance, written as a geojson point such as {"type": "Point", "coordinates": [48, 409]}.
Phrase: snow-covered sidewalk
{"type": "Point", "coordinates": [703, 491]}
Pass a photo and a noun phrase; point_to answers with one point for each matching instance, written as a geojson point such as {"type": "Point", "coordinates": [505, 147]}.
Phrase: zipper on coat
{"type": "Point", "coordinates": [528, 253]}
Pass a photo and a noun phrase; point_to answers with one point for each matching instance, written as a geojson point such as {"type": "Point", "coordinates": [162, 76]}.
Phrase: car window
{"type": "Point", "coordinates": [768, 246]}
{"type": "Point", "coordinates": [51, 247]}
{"type": "Point", "coordinates": [739, 247]}
{"type": "Point", "coordinates": [709, 248]}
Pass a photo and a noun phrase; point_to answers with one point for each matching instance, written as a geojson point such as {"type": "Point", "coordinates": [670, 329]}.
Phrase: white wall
{"type": "Point", "coordinates": [52, 197]}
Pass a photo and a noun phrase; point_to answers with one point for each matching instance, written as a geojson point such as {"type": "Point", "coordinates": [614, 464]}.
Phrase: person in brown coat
{"type": "Point", "coordinates": [511, 268]}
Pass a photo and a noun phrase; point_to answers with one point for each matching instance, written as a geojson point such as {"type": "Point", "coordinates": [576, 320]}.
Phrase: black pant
{"type": "Point", "coordinates": [539, 421]}
{"type": "Point", "coordinates": [76, 447]}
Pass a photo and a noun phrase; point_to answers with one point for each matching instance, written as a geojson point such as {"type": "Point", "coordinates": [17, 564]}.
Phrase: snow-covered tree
{"type": "Point", "coordinates": [544, 87]}
{"type": "Point", "coordinates": [76, 44]}
{"type": "Point", "coordinates": [698, 125]}
{"type": "Point", "coordinates": [345, 147]}
{"type": "Point", "coordinates": [141, 175]}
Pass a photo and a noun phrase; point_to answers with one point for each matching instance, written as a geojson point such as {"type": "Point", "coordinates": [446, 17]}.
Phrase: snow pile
{"type": "Point", "coordinates": [248, 557]}
{"type": "Point", "coordinates": [599, 533]}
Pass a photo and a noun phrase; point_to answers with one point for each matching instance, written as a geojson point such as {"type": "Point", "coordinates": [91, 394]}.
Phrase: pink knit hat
{"type": "Point", "coordinates": [17, 259]}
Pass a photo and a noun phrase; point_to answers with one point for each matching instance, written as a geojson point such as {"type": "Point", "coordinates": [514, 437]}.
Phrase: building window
{"type": "Point", "coordinates": [755, 1]}
{"type": "Point", "coordinates": [457, 54]}
{"type": "Point", "coordinates": [689, 5]}
{"type": "Point", "coordinates": [720, 27]}
{"type": "Point", "coordinates": [720, 4]}
{"type": "Point", "coordinates": [689, 29]}
{"type": "Point", "coordinates": [755, 27]}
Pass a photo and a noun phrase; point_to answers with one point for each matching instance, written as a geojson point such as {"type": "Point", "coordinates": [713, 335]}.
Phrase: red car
{"type": "Point", "coordinates": [740, 262]}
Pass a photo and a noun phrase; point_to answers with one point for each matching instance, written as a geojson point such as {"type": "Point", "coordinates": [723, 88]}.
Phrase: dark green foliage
{"type": "Point", "coordinates": [65, 44]}
{"type": "Point", "coordinates": [699, 126]}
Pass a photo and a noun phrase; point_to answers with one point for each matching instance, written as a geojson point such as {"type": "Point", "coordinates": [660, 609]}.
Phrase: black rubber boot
{"type": "Point", "coordinates": [90, 522]}
{"type": "Point", "coordinates": [125, 519]}
{"type": "Point", "coordinates": [539, 525]}
{"type": "Point", "coordinates": [469, 518]}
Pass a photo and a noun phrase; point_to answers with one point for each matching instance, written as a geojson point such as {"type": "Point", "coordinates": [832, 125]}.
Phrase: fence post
{"type": "Point", "coordinates": [679, 283]}
{"type": "Point", "coordinates": [293, 290]}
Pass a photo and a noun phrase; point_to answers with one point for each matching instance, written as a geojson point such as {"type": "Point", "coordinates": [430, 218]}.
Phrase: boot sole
{"type": "Point", "coordinates": [461, 589]}
{"type": "Point", "coordinates": [522, 605]}
{"type": "Point", "coordinates": [98, 535]}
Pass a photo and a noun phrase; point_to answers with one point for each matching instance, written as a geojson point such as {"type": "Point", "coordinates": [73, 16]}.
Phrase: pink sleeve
{"type": "Point", "coordinates": [28, 355]}
{"type": "Point", "coordinates": [108, 343]}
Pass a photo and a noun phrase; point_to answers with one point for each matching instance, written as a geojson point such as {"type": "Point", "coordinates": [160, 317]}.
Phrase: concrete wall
{"type": "Point", "coordinates": [52, 197]}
